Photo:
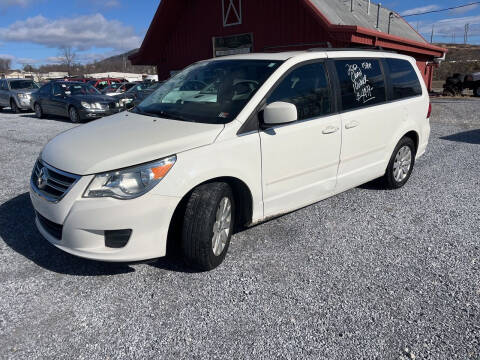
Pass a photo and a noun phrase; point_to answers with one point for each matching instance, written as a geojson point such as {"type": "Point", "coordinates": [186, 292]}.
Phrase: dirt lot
{"type": "Point", "coordinates": [369, 274]}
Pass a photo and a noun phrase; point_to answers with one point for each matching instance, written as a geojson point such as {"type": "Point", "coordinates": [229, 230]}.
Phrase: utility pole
{"type": "Point", "coordinates": [465, 37]}
{"type": "Point", "coordinates": [431, 36]}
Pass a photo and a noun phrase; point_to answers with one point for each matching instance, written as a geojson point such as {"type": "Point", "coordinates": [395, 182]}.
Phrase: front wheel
{"type": "Point", "coordinates": [38, 111]}
{"type": "Point", "coordinates": [208, 225]}
{"type": "Point", "coordinates": [74, 117]}
{"type": "Point", "coordinates": [14, 107]}
{"type": "Point", "coordinates": [401, 164]}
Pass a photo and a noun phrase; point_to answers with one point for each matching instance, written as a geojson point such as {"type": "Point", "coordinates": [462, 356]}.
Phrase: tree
{"type": "Point", "coordinates": [67, 56]}
{"type": "Point", "coordinates": [5, 64]}
{"type": "Point", "coordinates": [28, 68]}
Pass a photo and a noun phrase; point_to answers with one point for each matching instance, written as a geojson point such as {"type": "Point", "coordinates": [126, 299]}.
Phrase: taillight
{"type": "Point", "coordinates": [429, 110]}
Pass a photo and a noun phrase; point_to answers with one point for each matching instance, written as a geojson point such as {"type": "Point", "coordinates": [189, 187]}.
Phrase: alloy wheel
{"type": "Point", "coordinates": [221, 227]}
{"type": "Point", "coordinates": [402, 164]}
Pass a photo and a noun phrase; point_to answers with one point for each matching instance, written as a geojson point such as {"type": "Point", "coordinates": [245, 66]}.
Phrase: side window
{"type": "Point", "coordinates": [58, 89]}
{"type": "Point", "coordinates": [361, 82]}
{"type": "Point", "coordinates": [307, 88]}
{"type": "Point", "coordinates": [2, 84]}
{"type": "Point", "coordinates": [45, 90]}
{"type": "Point", "coordinates": [404, 79]}
{"type": "Point", "coordinates": [5, 85]}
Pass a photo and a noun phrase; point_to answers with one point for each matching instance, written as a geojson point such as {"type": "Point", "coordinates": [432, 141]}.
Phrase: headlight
{"type": "Point", "coordinates": [87, 105]}
{"type": "Point", "coordinates": [130, 183]}
{"type": "Point", "coordinates": [23, 96]}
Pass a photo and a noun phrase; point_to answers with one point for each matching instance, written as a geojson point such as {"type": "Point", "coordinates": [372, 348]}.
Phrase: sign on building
{"type": "Point", "coordinates": [232, 45]}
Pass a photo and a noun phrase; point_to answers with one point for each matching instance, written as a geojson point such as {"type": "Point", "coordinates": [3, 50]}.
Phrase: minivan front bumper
{"type": "Point", "coordinates": [78, 225]}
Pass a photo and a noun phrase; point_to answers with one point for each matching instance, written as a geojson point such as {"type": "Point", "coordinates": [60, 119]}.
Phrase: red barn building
{"type": "Point", "coordinates": [186, 31]}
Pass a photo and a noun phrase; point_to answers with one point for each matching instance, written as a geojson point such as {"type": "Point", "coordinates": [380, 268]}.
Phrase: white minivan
{"type": "Point", "coordinates": [227, 143]}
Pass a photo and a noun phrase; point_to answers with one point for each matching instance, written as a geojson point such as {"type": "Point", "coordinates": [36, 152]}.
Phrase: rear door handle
{"type": "Point", "coordinates": [330, 130]}
{"type": "Point", "coordinates": [351, 125]}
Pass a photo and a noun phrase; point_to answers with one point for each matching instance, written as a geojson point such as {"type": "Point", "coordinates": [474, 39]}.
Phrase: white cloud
{"type": "Point", "coordinates": [25, 61]}
{"type": "Point", "coordinates": [5, 4]}
{"type": "Point", "coordinates": [464, 9]}
{"type": "Point", "coordinates": [81, 32]}
{"type": "Point", "coordinates": [420, 10]}
{"type": "Point", "coordinates": [448, 27]}
{"type": "Point", "coordinates": [7, 56]}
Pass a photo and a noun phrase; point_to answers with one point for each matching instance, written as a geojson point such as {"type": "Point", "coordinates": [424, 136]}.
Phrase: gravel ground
{"type": "Point", "coordinates": [368, 274]}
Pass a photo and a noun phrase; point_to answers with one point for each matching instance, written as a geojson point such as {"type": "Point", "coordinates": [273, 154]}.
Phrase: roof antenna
{"type": "Point", "coordinates": [378, 15]}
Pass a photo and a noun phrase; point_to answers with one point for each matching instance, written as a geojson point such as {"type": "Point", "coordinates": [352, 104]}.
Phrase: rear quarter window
{"type": "Point", "coordinates": [404, 79]}
{"type": "Point", "coordinates": [361, 83]}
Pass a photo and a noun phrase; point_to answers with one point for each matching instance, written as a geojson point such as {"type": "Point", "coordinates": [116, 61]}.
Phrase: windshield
{"type": "Point", "coordinates": [209, 92]}
{"type": "Point", "coordinates": [82, 89]}
{"type": "Point", "coordinates": [23, 84]}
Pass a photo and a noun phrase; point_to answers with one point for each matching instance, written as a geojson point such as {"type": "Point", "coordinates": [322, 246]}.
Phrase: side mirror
{"type": "Point", "coordinates": [279, 112]}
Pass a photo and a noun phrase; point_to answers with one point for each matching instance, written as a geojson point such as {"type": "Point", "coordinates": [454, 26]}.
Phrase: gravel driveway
{"type": "Point", "coordinates": [368, 274]}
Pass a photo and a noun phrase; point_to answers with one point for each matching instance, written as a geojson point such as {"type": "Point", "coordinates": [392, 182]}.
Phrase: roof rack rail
{"type": "Point", "coordinates": [378, 49]}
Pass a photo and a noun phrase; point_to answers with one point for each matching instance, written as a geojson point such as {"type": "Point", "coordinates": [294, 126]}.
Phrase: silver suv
{"type": "Point", "coordinates": [16, 93]}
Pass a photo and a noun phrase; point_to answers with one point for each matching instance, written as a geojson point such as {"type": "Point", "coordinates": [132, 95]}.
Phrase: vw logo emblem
{"type": "Point", "coordinates": [42, 178]}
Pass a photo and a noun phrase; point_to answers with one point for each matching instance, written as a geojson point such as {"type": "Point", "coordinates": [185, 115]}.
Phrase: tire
{"type": "Point", "coordinates": [453, 81]}
{"type": "Point", "coordinates": [38, 111]}
{"type": "Point", "coordinates": [476, 92]}
{"type": "Point", "coordinates": [14, 107]}
{"type": "Point", "coordinates": [73, 114]}
{"type": "Point", "coordinates": [403, 159]}
{"type": "Point", "coordinates": [203, 247]}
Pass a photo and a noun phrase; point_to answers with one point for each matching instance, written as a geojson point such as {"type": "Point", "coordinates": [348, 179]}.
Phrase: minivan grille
{"type": "Point", "coordinates": [51, 183]}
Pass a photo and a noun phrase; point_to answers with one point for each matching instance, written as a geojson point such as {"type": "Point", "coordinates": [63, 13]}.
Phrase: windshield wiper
{"type": "Point", "coordinates": [163, 114]}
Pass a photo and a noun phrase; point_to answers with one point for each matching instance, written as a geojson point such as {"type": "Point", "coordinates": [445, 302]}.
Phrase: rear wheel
{"type": "Point", "coordinates": [208, 225]}
{"type": "Point", "coordinates": [14, 107]}
{"type": "Point", "coordinates": [38, 111]}
{"type": "Point", "coordinates": [476, 92]}
{"type": "Point", "coordinates": [401, 164]}
{"type": "Point", "coordinates": [74, 117]}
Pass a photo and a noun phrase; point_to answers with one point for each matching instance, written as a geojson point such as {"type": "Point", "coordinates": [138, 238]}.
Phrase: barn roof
{"type": "Point", "coordinates": [339, 12]}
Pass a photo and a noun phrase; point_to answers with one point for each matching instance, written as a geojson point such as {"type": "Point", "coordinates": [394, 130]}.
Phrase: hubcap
{"type": "Point", "coordinates": [402, 164]}
{"type": "Point", "coordinates": [38, 111]}
{"type": "Point", "coordinates": [221, 228]}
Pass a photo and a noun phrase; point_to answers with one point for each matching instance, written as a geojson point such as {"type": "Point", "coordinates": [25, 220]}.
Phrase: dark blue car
{"type": "Point", "coordinates": [75, 100]}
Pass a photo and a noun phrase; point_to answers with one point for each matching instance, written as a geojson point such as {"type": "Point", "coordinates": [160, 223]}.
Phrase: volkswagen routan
{"type": "Point", "coordinates": [227, 143]}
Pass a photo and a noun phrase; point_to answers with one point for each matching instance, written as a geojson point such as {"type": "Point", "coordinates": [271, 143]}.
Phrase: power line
{"type": "Point", "coordinates": [441, 10]}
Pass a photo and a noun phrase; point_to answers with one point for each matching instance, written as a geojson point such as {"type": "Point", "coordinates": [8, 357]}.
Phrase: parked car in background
{"type": "Point", "coordinates": [117, 88]}
{"type": "Point", "coordinates": [79, 79]}
{"type": "Point", "coordinates": [101, 84]}
{"type": "Point", "coordinates": [278, 132]}
{"type": "Point", "coordinates": [77, 101]}
{"type": "Point", "coordinates": [137, 94]}
{"type": "Point", "coordinates": [16, 93]}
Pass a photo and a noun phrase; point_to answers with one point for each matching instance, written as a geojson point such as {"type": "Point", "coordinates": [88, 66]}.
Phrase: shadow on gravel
{"type": "Point", "coordinates": [18, 231]}
{"type": "Point", "coordinates": [376, 184]}
{"type": "Point", "coordinates": [49, 117]}
{"type": "Point", "coordinates": [469, 137]}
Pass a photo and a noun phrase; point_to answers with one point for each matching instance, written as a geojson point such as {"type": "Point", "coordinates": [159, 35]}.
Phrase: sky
{"type": "Point", "coordinates": [33, 31]}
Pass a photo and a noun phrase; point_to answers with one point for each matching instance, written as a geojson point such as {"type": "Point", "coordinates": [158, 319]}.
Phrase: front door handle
{"type": "Point", "coordinates": [330, 130]}
{"type": "Point", "coordinates": [351, 125]}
